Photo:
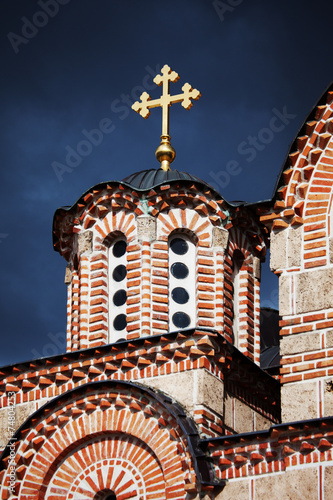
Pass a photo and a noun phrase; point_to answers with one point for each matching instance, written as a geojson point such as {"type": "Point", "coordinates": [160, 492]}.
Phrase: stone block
{"type": "Point", "coordinates": [284, 295]}
{"type": "Point", "coordinates": [328, 482]}
{"type": "Point", "coordinates": [294, 250]}
{"type": "Point", "coordinates": [68, 275]}
{"type": "Point", "coordinates": [278, 252]}
{"type": "Point", "coordinates": [303, 342]}
{"type": "Point", "coordinates": [299, 484]}
{"type": "Point", "coordinates": [196, 387]}
{"type": "Point", "coordinates": [257, 268]}
{"type": "Point", "coordinates": [239, 489]}
{"type": "Point", "coordinates": [85, 242]}
{"type": "Point", "coordinates": [22, 412]}
{"type": "Point", "coordinates": [261, 423]}
{"type": "Point", "coordinates": [210, 391]}
{"type": "Point", "coordinates": [243, 417]}
{"type": "Point", "coordinates": [220, 237]}
{"type": "Point", "coordinates": [328, 398]}
{"type": "Point", "coordinates": [314, 290]}
{"type": "Point", "coordinates": [299, 401]}
{"type": "Point", "coordinates": [329, 338]}
{"type": "Point", "coordinates": [146, 228]}
{"type": "Point", "coordinates": [227, 410]}
{"type": "Point", "coordinates": [330, 242]}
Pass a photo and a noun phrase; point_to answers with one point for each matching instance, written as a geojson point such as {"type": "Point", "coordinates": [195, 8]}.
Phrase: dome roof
{"type": "Point", "coordinates": [148, 179]}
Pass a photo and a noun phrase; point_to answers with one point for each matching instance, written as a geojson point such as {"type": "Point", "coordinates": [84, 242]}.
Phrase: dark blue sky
{"type": "Point", "coordinates": [67, 65]}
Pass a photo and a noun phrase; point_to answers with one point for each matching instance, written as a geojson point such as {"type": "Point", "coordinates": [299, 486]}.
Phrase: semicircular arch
{"type": "Point", "coordinates": [84, 432]}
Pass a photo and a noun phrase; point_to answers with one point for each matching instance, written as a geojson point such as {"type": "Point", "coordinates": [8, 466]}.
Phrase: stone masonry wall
{"type": "Point", "coordinates": [301, 256]}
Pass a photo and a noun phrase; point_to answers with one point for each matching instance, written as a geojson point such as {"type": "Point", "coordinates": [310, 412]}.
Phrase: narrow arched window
{"type": "Point", "coordinates": [182, 303]}
{"type": "Point", "coordinates": [117, 289]}
{"type": "Point", "coordinates": [238, 260]}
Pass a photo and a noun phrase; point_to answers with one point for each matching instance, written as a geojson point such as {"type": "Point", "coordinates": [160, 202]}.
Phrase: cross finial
{"type": "Point", "coordinates": [165, 152]}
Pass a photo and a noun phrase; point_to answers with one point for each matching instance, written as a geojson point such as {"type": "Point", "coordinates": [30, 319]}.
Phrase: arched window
{"type": "Point", "coordinates": [117, 289]}
{"type": "Point", "coordinates": [105, 494]}
{"type": "Point", "coordinates": [238, 259]}
{"type": "Point", "coordinates": [182, 303]}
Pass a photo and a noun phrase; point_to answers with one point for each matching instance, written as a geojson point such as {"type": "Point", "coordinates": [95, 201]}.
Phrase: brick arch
{"type": "Point", "coordinates": [117, 463]}
{"type": "Point", "coordinates": [108, 240]}
{"type": "Point", "coordinates": [95, 425]}
{"type": "Point", "coordinates": [180, 219]}
{"type": "Point", "coordinates": [330, 215]}
{"type": "Point", "coordinates": [122, 221]}
{"type": "Point", "coordinates": [188, 232]}
{"type": "Point", "coordinates": [238, 241]}
{"type": "Point", "coordinates": [248, 301]}
{"type": "Point", "coordinates": [317, 206]}
{"type": "Point", "coordinates": [309, 152]}
{"type": "Point", "coordinates": [115, 223]}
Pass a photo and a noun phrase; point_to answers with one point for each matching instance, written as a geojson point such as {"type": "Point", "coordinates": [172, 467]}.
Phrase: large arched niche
{"type": "Point", "coordinates": [106, 439]}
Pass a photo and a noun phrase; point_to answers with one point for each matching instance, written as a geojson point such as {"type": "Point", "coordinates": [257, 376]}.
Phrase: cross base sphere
{"type": "Point", "coordinates": [165, 153]}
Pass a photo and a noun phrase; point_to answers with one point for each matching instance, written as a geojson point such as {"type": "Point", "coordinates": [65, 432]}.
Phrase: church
{"type": "Point", "coordinates": [175, 383]}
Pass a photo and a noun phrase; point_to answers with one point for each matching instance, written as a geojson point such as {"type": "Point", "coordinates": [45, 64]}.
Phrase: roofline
{"type": "Point", "coordinates": [104, 184]}
{"type": "Point", "coordinates": [90, 351]}
{"type": "Point", "coordinates": [186, 423]}
{"type": "Point", "coordinates": [249, 436]}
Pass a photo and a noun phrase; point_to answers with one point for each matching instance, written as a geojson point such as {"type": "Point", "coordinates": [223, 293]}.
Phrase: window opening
{"type": "Point", "coordinates": [238, 262]}
{"type": "Point", "coordinates": [181, 282]}
{"type": "Point", "coordinates": [117, 289]}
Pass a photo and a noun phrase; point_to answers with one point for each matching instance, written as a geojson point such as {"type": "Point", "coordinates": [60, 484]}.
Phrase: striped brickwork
{"type": "Point", "coordinates": [116, 211]}
{"type": "Point", "coordinates": [290, 461]}
{"type": "Point", "coordinates": [302, 257]}
{"type": "Point", "coordinates": [144, 359]}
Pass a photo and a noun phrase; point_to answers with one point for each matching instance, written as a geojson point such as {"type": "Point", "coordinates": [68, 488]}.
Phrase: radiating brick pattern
{"type": "Point", "coordinates": [120, 438]}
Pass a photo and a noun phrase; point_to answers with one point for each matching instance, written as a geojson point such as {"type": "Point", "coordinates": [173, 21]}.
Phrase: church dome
{"type": "Point", "coordinates": [148, 179]}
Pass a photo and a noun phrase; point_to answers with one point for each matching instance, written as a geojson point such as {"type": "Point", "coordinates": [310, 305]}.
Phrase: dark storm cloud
{"type": "Point", "coordinates": [81, 65]}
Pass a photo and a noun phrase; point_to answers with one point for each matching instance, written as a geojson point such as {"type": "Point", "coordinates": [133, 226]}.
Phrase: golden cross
{"type": "Point", "coordinates": [165, 152]}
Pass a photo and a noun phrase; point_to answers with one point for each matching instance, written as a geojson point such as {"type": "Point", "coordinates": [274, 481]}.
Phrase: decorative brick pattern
{"type": "Point", "coordinates": [142, 359]}
{"type": "Point", "coordinates": [248, 298]}
{"type": "Point", "coordinates": [277, 450]}
{"type": "Point", "coordinates": [209, 422]}
{"type": "Point", "coordinates": [114, 210]}
{"type": "Point", "coordinates": [304, 191]}
{"type": "Point", "coordinates": [118, 437]}
{"type": "Point", "coordinates": [300, 225]}
{"type": "Point", "coordinates": [100, 432]}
